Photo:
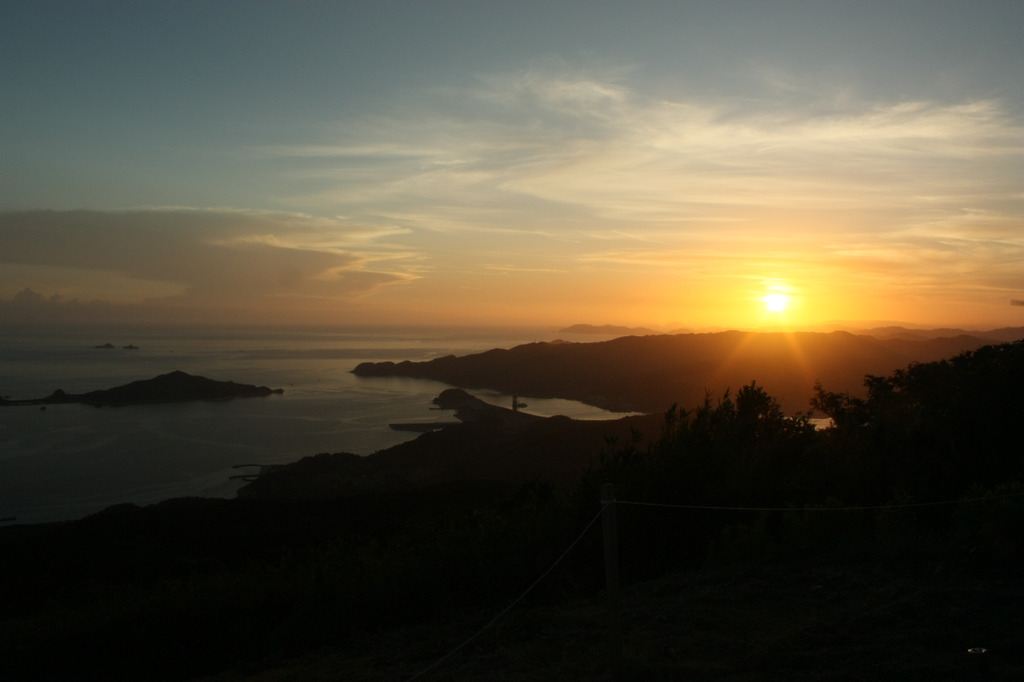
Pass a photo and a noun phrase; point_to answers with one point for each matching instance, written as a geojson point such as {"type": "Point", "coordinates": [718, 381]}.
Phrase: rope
{"type": "Point", "coordinates": [512, 605]}
{"type": "Point", "coordinates": [816, 509]}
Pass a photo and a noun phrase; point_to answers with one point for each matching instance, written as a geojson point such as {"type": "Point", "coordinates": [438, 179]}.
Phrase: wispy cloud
{"type": "Point", "coordinates": [600, 150]}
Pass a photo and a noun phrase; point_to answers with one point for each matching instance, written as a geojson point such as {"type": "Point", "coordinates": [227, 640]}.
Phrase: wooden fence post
{"type": "Point", "coordinates": [611, 566]}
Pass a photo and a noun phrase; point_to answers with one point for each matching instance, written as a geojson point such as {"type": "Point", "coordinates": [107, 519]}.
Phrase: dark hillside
{"type": "Point", "coordinates": [651, 373]}
{"type": "Point", "coordinates": [494, 447]}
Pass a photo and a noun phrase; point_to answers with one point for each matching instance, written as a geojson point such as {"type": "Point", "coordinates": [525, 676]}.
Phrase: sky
{"type": "Point", "coordinates": [676, 165]}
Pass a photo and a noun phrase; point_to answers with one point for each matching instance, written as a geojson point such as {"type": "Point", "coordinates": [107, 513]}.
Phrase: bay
{"type": "Point", "coordinates": [68, 461]}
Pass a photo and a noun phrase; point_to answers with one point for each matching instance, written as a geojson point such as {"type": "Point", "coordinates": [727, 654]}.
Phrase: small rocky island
{"type": "Point", "coordinates": [172, 387]}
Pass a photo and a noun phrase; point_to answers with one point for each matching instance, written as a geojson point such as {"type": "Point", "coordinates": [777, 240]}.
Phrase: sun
{"type": "Point", "coordinates": [776, 302]}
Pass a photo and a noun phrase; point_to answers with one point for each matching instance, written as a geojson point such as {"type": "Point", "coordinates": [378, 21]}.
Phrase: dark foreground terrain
{"type": "Point", "coordinates": [231, 591]}
{"type": "Point", "coordinates": [833, 622]}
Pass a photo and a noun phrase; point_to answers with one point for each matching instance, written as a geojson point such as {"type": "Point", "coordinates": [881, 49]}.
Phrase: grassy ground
{"type": "Point", "coordinates": [731, 624]}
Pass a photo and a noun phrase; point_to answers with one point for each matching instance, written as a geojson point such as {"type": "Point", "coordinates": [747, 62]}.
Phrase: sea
{"type": "Point", "coordinates": [68, 461]}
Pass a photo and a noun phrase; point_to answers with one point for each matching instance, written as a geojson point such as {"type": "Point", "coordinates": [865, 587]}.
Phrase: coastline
{"type": "Point", "coordinates": [72, 460]}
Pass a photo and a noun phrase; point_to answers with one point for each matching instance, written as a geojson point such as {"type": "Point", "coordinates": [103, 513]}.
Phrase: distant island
{"type": "Point", "coordinates": [172, 387]}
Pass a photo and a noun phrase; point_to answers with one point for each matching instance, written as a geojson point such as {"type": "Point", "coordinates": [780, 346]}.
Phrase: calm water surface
{"type": "Point", "coordinates": [68, 461]}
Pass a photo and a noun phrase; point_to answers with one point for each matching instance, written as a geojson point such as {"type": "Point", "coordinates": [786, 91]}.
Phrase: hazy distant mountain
{"type": "Point", "coordinates": [1003, 335]}
{"type": "Point", "coordinates": [607, 329]}
{"type": "Point", "coordinates": [651, 373]}
{"type": "Point", "coordinates": [880, 330]}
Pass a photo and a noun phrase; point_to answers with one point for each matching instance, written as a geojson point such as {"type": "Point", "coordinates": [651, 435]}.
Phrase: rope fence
{"type": "Point", "coordinates": [607, 513]}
